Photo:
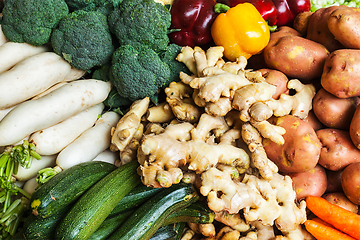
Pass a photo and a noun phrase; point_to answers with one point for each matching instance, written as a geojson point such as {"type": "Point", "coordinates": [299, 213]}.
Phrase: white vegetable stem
{"type": "Point", "coordinates": [55, 138]}
{"type": "Point", "coordinates": [12, 53]}
{"type": "Point", "coordinates": [34, 75]}
{"type": "Point", "coordinates": [24, 174]}
{"type": "Point", "coordinates": [107, 156]}
{"type": "Point", "coordinates": [89, 144]}
{"type": "Point", "coordinates": [64, 102]}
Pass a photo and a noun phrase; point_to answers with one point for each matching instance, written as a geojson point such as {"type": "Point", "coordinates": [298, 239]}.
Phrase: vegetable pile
{"type": "Point", "coordinates": [150, 119]}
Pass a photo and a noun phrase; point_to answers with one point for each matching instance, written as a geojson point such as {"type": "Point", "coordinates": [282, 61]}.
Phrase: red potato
{"type": "Point", "coordinates": [350, 182]}
{"type": "Point", "coordinates": [276, 78]}
{"type": "Point", "coordinates": [314, 121]}
{"type": "Point", "coordinates": [332, 111]}
{"type": "Point", "coordinates": [337, 150]}
{"type": "Point", "coordinates": [339, 198]}
{"type": "Point", "coordinates": [301, 150]}
{"type": "Point", "coordinates": [301, 22]}
{"type": "Point", "coordinates": [355, 127]}
{"type": "Point", "coordinates": [312, 182]}
{"type": "Point", "coordinates": [333, 181]}
{"type": "Point", "coordinates": [341, 73]}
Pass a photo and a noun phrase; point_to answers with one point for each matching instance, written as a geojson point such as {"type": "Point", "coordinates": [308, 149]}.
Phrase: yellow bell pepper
{"type": "Point", "coordinates": [241, 30]}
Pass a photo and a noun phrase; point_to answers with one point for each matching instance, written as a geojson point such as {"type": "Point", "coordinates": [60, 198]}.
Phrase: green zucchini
{"type": "Point", "coordinates": [95, 205]}
{"type": "Point", "coordinates": [149, 217]}
{"type": "Point", "coordinates": [66, 187]}
{"type": "Point", "coordinates": [168, 231]}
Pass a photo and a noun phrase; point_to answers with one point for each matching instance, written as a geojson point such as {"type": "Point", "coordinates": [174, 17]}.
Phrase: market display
{"type": "Point", "coordinates": [202, 119]}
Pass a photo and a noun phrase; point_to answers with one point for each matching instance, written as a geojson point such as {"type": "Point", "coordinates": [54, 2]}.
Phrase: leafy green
{"type": "Point", "coordinates": [316, 4]}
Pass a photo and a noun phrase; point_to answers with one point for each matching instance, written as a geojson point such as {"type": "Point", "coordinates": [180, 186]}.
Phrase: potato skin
{"type": "Point", "coordinates": [312, 182]}
{"type": "Point", "coordinates": [350, 182]}
{"type": "Point", "coordinates": [355, 128]}
{"type": "Point", "coordinates": [301, 22]}
{"type": "Point", "coordinates": [276, 78]}
{"type": "Point", "coordinates": [341, 74]}
{"type": "Point", "coordinates": [339, 198]}
{"type": "Point", "coordinates": [295, 56]}
{"type": "Point", "coordinates": [337, 150]}
{"type": "Point", "coordinates": [333, 181]}
{"type": "Point", "coordinates": [313, 121]}
{"type": "Point", "coordinates": [301, 150]}
{"type": "Point", "coordinates": [344, 24]}
{"type": "Point", "coordinates": [318, 30]}
{"type": "Point", "coordinates": [332, 111]}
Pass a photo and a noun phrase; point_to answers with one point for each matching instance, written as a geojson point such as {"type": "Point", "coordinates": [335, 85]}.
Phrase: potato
{"type": "Point", "coordinates": [350, 182]}
{"type": "Point", "coordinates": [318, 30]}
{"type": "Point", "coordinates": [295, 56]}
{"type": "Point", "coordinates": [313, 121]}
{"type": "Point", "coordinates": [312, 182]}
{"type": "Point", "coordinates": [301, 150]}
{"type": "Point", "coordinates": [333, 181]}
{"type": "Point", "coordinates": [332, 111]}
{"type": "Point", "coordinates": [339, 198]}
{"type": "Point", "coordinates": [355, 128]}
{"type": "Point", "coordinates": [276, 78]}
{"type": "Point", "coordinates": [344, 24]}
{"type": "Point", "coordinates": [301, 22]}
{"type": "Point", "coordinates": [337, 150]}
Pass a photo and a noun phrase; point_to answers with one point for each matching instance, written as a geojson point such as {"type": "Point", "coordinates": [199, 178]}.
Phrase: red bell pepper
{"type": "Point", "coordinates": [191, 22]}
{"type": "Point", "coordinates": [288, 9]}
{"type": "Point", "coordinates": [266, 8]}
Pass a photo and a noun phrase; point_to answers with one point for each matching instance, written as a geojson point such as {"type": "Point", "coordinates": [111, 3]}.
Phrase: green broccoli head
{"type": "Point", "coordinates": [142, 21]}
{"type": "Point", "coordinates": [83, 39]}
{"type": "Point", "coordinates": [137, 71]}
{"type": "Point", "coordinates": [32, 21]}
{"type": "Point", "coordinates": [103, 6]}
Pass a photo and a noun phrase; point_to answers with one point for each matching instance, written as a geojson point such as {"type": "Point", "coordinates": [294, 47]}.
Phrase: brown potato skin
{"type": "Point", "coordinates": [350, 182]}
{"type": "Point", "coordinates": [355, 128]}
{"type": "Point", "coordinates": [314, 121]}
{"type": "Point", "coordinates": [339, 198]}
{"type": "Point", "coordinates": [333, 181]}
{"type": "Point", "coordinates": [295, 56]}
{"type": "Point", "coordinates": [332, 111]}
{"type": "Point", "coordinates": [312, 182]}
{"type": "Point", "coordinates": [337, 150]}
{"type": "Point", "coordinates": [344, 24]}
{"type": "Point", "coordinates": [301, 22]}
{"type": "Point", "coordinates": [276, 78]}
{"type": "Point", "coordinates": [318, 30]}
{"type": "Point", "coordinates": [341, 74]}
{"type": "Point", "coordinates": [301, 150]}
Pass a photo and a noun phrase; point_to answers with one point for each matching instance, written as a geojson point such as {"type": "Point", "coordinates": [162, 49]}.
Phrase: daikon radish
{"type": "Point", "coordinates": [12, 53]}
{"type": "Point", "coordinates": [5, 111]}
{"type": "Point", "coordinates": [107, 156]}
{"type": "Point", "coordinates": [64, 102]}
{"type": "Point", "coordinates": [30, 185]}
{"type": "Point", "coordinates": [89, 144]}
{"type": "Point", "coordinates": [3, 39]}
{"type": "Point", "coordinates": [49, 90]}
{"type": "Point", "coordinates": [24, 174]}
{"type": "Point", "coordinates": [53, 139]}
{"type": "Point", "coordinates": [34, 75]}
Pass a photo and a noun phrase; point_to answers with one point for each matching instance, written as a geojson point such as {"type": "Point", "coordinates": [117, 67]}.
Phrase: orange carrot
{"type": "Point", "coordinates": [340, 218]}
{"type": "Point", "coordinates": [325, 232]}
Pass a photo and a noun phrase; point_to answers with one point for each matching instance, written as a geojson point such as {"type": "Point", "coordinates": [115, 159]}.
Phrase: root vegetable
{"type": "Point", "coordinates": [30, 185]}
{"type": "Point", "coordinates": [90, 143]}
{"type": "Point", "coordinates": [32, 76]}
{"type": "Point", "coordinates": [3, 39]}
{"type": "Point", "coordinates": [324, 231]}
{"type": "Point", "coordinates": [339, 198]}
{"type": "Point", "coordinates": [107, 156]}
{"type": "Point", "coordinates": [350, 182]}
{"type": "Point", "coordinates": [53, 139]}
{"type": "Point", "coordinates": [34, 115]}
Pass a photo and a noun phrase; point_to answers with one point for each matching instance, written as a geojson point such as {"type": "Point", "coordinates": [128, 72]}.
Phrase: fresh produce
{"type": "Point", "coordinates": [336, 216]}
{"type": "Point", "coordinates": [317, 4]}
{"type": "Point", "coordinates": [323, 231]}
{"type": "Point", "coordinates": [350, 182]}
{"type": "Point", "coordinates": [191, 22]}
{"type": "Point", "coordinates": [288, 9]}
{"type": "Point", "coordinates": [32, 21]}
{"type": "Point", "coordinates": [83, 39]}
{"type": "Point", "coordinates": [355, 127]}
{"type": "Point", "coordinates": [96, 204]}
{"type": "Point", "coordinates": [237, 38]}
{"type": "Point", "coordinates": [66, 187]}
{"type": "Point", "coordinates": [340, 199]}
{"type": "Point", "coordinates": [24, 173]}
{"type": "Point", "coordinates": [149, 216]}
{"type": "Point", "coordinates": [103, 6]}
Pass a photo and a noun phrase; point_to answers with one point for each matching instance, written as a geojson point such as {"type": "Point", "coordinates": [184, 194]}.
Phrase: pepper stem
{"type": "Point", "coordinates": [221, 8]}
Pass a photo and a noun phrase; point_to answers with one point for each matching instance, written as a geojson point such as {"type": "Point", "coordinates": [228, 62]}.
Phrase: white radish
{"type": "Point", "coordinates": [24, 174]}
{"type": "Point", "coordinates": [107, 156]}
{"type": "Point", "coordinates": [30, 186]}
{"type": "Point", "coordinates": [89, 144]}
{"type": "Point", "coordinates": [55, 138]}
{"type": "Point", "coordinates": [64, 102]}
{"type": "Point", "coordinates": [5, 111]}
{"type": "Point", "coordinates": [3, 39]}
{"type": "Point", "coordinates": [34, 75]}
{"type": "Point", "coordinates": [49, 90]}
{"type": "Point", "coordinates": [12, 53]}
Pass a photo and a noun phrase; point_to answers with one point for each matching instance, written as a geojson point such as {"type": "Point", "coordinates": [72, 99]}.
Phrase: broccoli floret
{"type": "Point", "coordinates": [142, 21]}
{"type": "Point", "coordinates": [32, 21]}
{"type": "Point", "coordinates": [168, 56]}
{"type": "Point", "coordinates": [137, 71]}
{"type": "Point", "coordinates": [83, 39]}
{"type": "Point", "coordinates": [103, 6]}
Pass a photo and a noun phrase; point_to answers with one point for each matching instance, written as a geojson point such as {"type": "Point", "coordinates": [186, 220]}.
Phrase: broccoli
{"type": "Point", "coordinates": [137, 71]}
{"type": "Point", "coordinates": [32, 21]}
{"type": "Point", "coordinates": [317, 4]}
{"type": "Point", "coordinates": [142, 21]}
{"type": "Point", "coordinates": [103, 6]}
{"type": "Point", "coordinates": [83, 39]}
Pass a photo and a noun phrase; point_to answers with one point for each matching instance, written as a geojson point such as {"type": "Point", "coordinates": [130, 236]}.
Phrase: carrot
{"type": "Point", "coordinates": [325, 232]}
{"type": "Point", "coordinates": [336, 216]}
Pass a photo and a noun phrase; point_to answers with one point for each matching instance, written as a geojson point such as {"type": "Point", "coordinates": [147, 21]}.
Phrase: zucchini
{"type": "Point", "coordinates": [168, 231]}
{"type": "Point", "coordinates": [95, 205]}
{"type": "Point", "coordinates": [66, 187]}
{"type": "Point", "coordinates": [149, 217]}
